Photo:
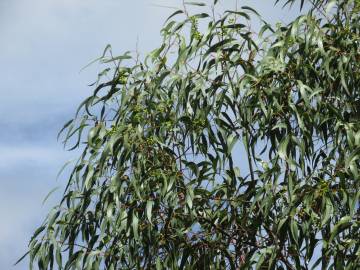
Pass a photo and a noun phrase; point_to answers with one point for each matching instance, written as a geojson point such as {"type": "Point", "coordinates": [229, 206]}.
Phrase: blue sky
{"type": "Point", "coordinates": [44, 44]}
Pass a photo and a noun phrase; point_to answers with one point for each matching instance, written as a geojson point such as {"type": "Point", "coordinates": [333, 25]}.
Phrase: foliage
{"type": "Point", "coordinates": [223, 149]}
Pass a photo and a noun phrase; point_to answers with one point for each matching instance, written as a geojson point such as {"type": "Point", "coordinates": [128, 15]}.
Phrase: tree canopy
{"type": "Point", "coordinates": [228, 147]}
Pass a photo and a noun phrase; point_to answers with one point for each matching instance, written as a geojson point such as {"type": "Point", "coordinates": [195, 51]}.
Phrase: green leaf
{"type": "Point", "coordinates": [21, 258]}
{"type": "Point", "coordinates": [49, 194]}
{"type": "Point", "coordinates": [240, 13]}
{"type": "Point", "coordinates": [328, 211]}
{"type": "Point", "coordinates": [58, 257]}
{"type": "Point", "coordinates": [195, 3]}
{"type": "Point", "coordinates": [251, 9]}
{"type": "Point", "coordinates": [174, 14]}
{"type": "Point", "coordinates": [282, 150]}
{"type": "Point", "coordinates": [135, 225]}
{"type": "Point", "coordinates": [218, 45]}
{"type": "Point", "coordinates": [344, 223]}
{"type": "Point", "coordinates": [189, 198]}
{"type": "Point", "coordinates": [116, 58]}
{"type": "Point", "coordinates": [149, 207]}
{"type": "Point", "coordinates": [294, 231]}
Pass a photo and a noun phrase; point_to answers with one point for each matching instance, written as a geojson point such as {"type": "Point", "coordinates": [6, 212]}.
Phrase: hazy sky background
{"type": "Point", "coordinates": [44, 44]}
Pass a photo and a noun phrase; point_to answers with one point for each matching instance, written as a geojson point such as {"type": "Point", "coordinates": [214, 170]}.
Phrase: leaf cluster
{"type": "Point", "coordinates": [225, 149]}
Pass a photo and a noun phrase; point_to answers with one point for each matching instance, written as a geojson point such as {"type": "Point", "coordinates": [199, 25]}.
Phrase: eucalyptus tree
{"type": "Point", "coordinates": [225, 148]}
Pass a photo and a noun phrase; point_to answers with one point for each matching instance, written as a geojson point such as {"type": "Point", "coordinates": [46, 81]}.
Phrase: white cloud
{"type": "Point", "coordinates": [13, 156]}
{"type": "Point", "coordinates": [27, 174]}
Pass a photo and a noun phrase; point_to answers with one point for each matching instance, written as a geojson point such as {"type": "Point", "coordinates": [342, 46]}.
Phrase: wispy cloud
{"type": "Point", "coordinates": [27, 173]}
{"type": "Point", "coordinates": [13, 156]}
